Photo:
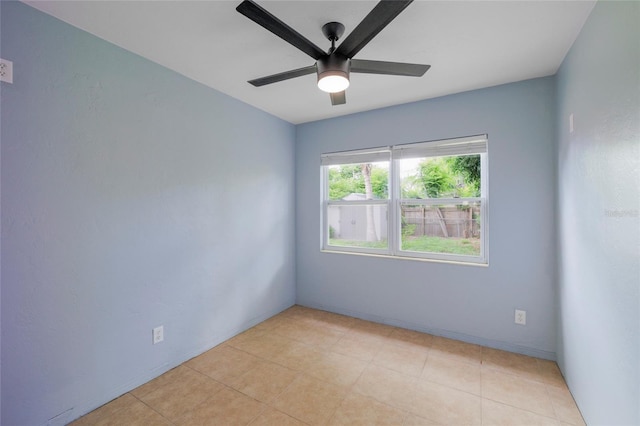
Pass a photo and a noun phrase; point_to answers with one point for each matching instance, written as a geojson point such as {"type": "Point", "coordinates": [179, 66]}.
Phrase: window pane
{"type": "Point", "coordinates": [450, 228]}
{"type": "Point", "coordinates": [440, 177]}
{"type": "Point", "coordinates": [437, 190]}
{"type": "Point", "coordinates": [365, 181]}
{"type": "Point", "coordinates": [358, 226]}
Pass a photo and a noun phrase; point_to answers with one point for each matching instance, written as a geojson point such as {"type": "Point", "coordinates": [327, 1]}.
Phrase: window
{"type": "Point", "coordinates": [422, 200]}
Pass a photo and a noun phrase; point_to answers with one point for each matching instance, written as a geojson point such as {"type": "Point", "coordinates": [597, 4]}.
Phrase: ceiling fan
{"type": "Point", "coordinates": [333, 67]}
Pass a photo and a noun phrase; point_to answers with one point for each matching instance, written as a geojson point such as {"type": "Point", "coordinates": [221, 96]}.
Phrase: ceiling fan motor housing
{"type": "Point", "coordinates": [333, 64]}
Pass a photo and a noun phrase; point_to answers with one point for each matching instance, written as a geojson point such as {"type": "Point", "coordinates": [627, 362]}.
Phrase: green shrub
{"type": "Point", "coordinates": [408, 230]}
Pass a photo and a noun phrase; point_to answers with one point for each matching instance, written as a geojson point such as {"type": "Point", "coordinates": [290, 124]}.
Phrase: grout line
{"type": "Point", "coordinates": [153, 409]}
{"type": "Point", "coordinates": [522, 409]}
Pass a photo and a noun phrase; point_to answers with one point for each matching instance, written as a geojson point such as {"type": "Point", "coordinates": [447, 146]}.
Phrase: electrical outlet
{"type": "Point", "coordinates": [6, 71]}
{"type": "Point", "coordinates": [521, 317]}
{"type": "Point", "coordinates": [158, 334]}
{"type": "Point", "coordinates": [571, 123]}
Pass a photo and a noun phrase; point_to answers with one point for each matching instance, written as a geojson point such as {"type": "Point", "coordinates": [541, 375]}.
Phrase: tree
{"type": "Point", "coordinates": [371, 227]}
{"type": "Point", "coordinates": [444, 177]}
{"type": "Point", "coordinates": [468, 166]}
{"type": "Point", "coordinates": [345, 180]}
{"type": "Point", "coordinates": [412, 186]}
{"type": "Point", "coordinates": [436, 177]}
{"type": "Point", "coordinates": [349, 179]}
{"type": "Point", "coordinates": [379, 182]}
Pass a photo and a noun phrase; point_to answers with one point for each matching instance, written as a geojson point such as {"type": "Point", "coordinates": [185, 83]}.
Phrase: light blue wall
{"type": "Point", "coordinates": [599, 220]}
{"type": "Point", "coordinates": [132, 197]}
{"type": "Point", "coordinates": [118, 215]}
{"type": "Point", "coordinates": [467, 302]}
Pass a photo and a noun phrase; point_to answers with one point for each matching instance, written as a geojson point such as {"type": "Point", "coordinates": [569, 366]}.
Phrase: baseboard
{"type": "Point", "coordinates": [496, 344]}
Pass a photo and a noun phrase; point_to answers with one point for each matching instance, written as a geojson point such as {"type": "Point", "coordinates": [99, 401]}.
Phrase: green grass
{"type": "Point", "coordinates": [464, 246]}
{"type": "Point", "coordinates": [356, 243]}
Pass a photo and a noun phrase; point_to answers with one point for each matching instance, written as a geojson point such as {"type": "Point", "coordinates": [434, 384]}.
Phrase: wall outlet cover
{"type": "Point", "coordinates": [6, 71]}
{"type": "Point", "coordinates": [158, 334]}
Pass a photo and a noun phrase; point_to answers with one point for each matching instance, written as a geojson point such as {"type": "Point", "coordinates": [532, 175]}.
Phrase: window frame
{"type": "Point", "coordinates": [327, 202]}
{"type": "Point", "coordinates": [471, 145]}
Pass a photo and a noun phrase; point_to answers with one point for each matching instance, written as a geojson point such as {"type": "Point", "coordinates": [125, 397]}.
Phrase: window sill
{"type": "Point", "coordinates": [397, 257]}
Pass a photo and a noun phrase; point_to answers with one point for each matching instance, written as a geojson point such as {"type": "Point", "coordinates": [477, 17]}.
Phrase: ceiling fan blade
{"type": "Point", "coordinates": [389, 68]}
{"type": "Point", "coordinates": [283, 76]}
{"type": "Point", "coordinates": [383, 13]}
{"type": "Point", "coordinates": [338, 98]}
{"type": "Point", "coordinates": [265, 19]}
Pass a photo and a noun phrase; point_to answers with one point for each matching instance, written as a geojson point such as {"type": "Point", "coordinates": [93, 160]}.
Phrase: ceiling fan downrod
{"type": "Point", "coordinates": [333, 31]}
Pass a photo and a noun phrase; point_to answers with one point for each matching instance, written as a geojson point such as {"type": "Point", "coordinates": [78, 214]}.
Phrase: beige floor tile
{"type": "Point", "coordinates": [265, 381]}
{"type": "Point", "coordinates": [387, 386]}
{"type": "Point", "coordinates": [136, 414]}
{"type": "Point", "coordinates": [413, 420]}
{"type": "Point", "coordinates": [455, 349]}
{"type": "Point", "coordinates": [322, 319]}
{"type": "Point", "coordinates": [85, 420]}
{"type": "Point", "coordinates": [459, 375]}
{"type": "Point", "coordinates": [516, 391]}
{"type": "Point", "coordinates": [401, 359]}
{"type": "Point", "coordinates": [270, 324]}
{"type": "Point", "coordinates": [266, 346]}
{"type": "Point", "coordinates": [223, 363]}
{"type": "Point", "coordinates": [322, 337]}
{"type": "Point", "coordinates": [249, 334]}
{"type": "Point", "coordinates": [362, 329]}
{"type": "Point", "coordinates": [564, 405]}
{"type": "Point", "coordinates": [186, 391]}
{"type": "Point", "coordinates": [338, 369]}
{"type": "Point", "coordinates": [511, 363]}
{"type": "Point", "coordinates": [363, 349]}
{"type": "Point", "coordinates": [161, 380]}
{"type": "Point", "coordinates": [298, 310]}
{"type": "Point", "coordinates": [227, 407]}
{"type": "Point", "coordinates": [298, 356]}
{"type": "Point", "coordinates": [310, 400]}
{"type": "Point", "coordinates": [296, 318]}
{"type": "Point", "coordinates": [550, 372]}
{"type": "Point", "coordinates": [497, 414]}
{"type": "Point", "coordinates": [411, 339]}
{"type": "Point", "coordinates": [361, 410]}
{"type": "Point", "coordinates": [336, 321]}
{"type": "Point", "coordinates": [446, 405]}
{"type": "Point", "coordinates": [107, 410]}
{"type": "Point", "coordinates": [273, 417]}
{"type": "Point", "coordinates": [295, 330]}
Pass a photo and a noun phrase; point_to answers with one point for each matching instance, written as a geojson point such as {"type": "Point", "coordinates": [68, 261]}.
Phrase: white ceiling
{"type": "Point", "coordinates": [469, 44]}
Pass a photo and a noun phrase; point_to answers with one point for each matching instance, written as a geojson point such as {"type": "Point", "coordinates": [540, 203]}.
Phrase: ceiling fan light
{"type": "Point", "coordinates": [333, 81]}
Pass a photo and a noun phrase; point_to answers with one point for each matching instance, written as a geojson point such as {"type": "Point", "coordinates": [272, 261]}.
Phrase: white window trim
{"type": "Point", "coordinates": [458, 146]}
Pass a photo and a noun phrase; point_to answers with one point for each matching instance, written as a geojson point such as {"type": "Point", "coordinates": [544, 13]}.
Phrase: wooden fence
{"type": "Point", "coordinates": [448, 221]}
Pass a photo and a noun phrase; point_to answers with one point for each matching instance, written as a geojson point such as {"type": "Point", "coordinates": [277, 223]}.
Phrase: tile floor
{"type": "Point", "coordinates": [310, 367]}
